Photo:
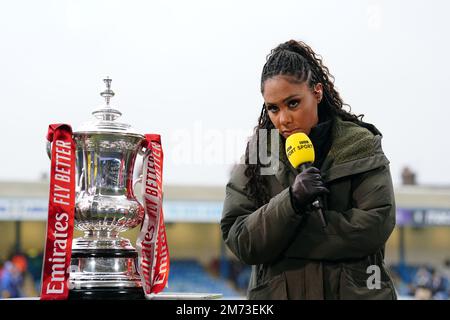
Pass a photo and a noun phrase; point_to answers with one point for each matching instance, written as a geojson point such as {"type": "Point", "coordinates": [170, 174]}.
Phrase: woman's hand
{"type": "Point", "coordinates": [308, 185]}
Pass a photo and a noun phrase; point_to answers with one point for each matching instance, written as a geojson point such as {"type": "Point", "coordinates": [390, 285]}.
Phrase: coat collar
{"type": "Point", "coordinates": [354, 150]}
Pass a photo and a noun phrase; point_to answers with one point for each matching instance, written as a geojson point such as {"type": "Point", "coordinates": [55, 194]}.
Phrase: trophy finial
{"type": "Point", "coordinates": [107, 113]}
{"type": "Point", "coordinates": [108, 93]}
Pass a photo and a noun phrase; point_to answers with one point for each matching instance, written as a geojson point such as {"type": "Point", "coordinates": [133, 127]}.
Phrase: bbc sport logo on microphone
{"type": "Point", "coordinates": [304, 144]}
{"type": "Point", "coordinates": [299, 149]}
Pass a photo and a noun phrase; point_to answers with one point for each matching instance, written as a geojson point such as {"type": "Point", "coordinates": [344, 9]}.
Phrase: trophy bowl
{"type": "Point", "coordinates": [105, 202]}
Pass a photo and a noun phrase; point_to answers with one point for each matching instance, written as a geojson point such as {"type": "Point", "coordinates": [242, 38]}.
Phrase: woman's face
{"type": "Point", "coordinates": [292, 107]}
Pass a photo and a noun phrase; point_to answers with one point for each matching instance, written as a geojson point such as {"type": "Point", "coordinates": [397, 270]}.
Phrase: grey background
{"type": "Point", "coordinates": [190, 71]}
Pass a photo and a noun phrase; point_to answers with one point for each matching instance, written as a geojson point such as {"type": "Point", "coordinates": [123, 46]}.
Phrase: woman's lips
{"type": "Point", "coordinates": [287, 133]}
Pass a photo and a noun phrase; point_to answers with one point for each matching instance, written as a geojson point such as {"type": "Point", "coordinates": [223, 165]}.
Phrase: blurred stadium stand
{"type": "Point", "coordinates": [189, 276]}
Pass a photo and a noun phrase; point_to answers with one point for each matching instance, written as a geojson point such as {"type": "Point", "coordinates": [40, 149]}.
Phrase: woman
{"type": "Point", "coordinates": [268, 221]}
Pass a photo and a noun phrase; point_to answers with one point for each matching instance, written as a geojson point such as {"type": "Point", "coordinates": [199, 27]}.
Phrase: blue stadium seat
{"type": "Point", "coordinates": [190, 276]}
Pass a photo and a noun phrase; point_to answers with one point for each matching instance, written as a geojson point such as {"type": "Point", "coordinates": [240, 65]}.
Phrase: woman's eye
{"type": "Point", "coordinates": [293, 104]}
{"type": "Point", "coordinates": [272, 109]}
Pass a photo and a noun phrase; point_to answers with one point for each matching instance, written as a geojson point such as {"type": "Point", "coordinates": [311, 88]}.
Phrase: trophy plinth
{"type": "Point", "coordinates": [103, 264]}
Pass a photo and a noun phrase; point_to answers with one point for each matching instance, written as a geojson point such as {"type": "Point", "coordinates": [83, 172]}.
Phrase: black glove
{"type": "Point", "coordinates": [308, 185]}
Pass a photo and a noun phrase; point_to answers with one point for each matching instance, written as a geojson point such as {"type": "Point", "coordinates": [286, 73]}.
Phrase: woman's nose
{"type": "Point", "coordinates": [285, 118]}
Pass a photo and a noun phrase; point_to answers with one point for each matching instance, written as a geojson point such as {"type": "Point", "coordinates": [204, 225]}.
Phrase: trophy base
{"type": "Point", "coordinates": [104, 274]}
{"type": "Point", "coordinates": [107, 294]}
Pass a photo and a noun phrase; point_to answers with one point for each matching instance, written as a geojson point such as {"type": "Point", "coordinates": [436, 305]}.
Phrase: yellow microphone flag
{"type": "Point", "coordinates": [299, 149]}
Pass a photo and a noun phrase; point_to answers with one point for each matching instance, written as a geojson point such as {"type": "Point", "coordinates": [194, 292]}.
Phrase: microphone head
{"type": "Point", "coordinates": [299, 149]}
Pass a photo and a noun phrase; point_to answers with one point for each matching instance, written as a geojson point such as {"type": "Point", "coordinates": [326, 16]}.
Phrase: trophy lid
{"type": "Point", "coordinates": [105, 118]}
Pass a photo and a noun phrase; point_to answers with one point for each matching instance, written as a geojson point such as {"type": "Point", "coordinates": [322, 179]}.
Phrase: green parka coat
{"type": "Point", "coordinates": [292, 255]}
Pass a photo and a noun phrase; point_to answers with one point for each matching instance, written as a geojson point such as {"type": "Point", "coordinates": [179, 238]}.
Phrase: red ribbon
{"type": "Point", "coordinates": [58, 247]}
{"type": "Point", "coordinates": [152, 242]}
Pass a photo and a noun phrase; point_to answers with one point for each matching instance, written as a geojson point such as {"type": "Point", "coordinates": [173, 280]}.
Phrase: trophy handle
{"type": "Point", "coordinates": [49, 150]}
{"type": "Point", "coordinates": [139, 197]}
{"type": "Point", "coordinates": [80, 179]}
{"type": "Point", "coordinates": [139, 179]}
{"type": "Point", "coordinates": [142, 150]}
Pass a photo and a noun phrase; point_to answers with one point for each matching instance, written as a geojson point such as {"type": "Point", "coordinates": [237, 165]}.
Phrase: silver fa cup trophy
{"type": "Point", "coordinates": [104, 264]}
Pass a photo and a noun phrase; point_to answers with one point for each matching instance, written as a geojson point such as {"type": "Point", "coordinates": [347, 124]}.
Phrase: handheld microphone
{"type": "Point", "coordinates": [300, 153]}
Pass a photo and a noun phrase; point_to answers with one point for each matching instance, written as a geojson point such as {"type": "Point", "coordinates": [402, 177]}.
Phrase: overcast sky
{"type": "Point", "coordinates": [190, 71]}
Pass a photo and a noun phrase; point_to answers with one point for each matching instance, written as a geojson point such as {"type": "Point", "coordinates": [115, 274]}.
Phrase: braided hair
{"type": "Point", "coordinates": [300, 63]}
